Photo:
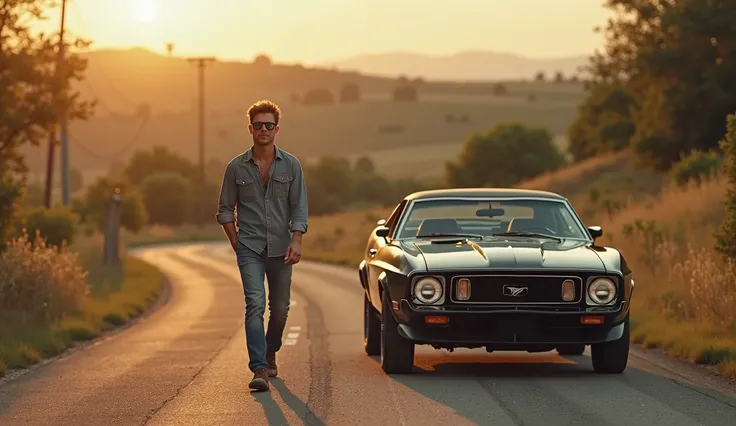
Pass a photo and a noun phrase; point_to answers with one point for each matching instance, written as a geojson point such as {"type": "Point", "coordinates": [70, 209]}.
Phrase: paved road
{"type": "Point", "coordinates": [186, 364]}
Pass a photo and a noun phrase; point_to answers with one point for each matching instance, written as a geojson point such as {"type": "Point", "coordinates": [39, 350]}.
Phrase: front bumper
{"type": "Point", "coordinates": [509, 326]}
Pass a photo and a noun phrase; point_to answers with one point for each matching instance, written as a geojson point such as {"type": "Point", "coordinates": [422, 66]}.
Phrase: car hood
{"type": "Point", "coordinates": [509, 253]}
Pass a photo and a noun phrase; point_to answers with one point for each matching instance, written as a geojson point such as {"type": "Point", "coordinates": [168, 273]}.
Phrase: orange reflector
{"type": "Point", "coordinates": [395, 305]}
{"type": "Point", "coordinates": [463, 289]}
{"type": "Point", "coordinates": [436, 319]}
{"type": "Point", "coordinates": [568, 290]}
{"type": "Point", "coordinates": [590, 319]}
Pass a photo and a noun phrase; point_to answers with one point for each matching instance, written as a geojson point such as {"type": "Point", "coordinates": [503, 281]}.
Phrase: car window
{"type": "Point", "coordinates": [490, 216]}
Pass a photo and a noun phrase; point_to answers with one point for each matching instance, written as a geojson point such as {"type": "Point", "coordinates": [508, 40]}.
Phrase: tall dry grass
{"type": "Point", "coordinates": [52, 297]}
{"type": "Point", "coordinates": [38, 281]}
{"type": "Point", "coordinates": [685, 297]}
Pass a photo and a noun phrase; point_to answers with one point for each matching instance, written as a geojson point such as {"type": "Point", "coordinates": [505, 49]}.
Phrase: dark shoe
{"type": "Point", "coordinates": [260, 380]}
{"type": "Point", "coordinates": [273, 369]}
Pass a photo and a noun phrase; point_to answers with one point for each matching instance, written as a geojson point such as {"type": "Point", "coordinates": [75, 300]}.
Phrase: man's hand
{"type": "Point", "coordinates": [293, 252]}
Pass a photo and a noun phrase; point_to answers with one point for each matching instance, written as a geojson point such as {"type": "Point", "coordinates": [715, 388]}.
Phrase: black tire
{"type": "Point", "coordinates": [371, 328]}
{"type": "Point", "coordinates": [612, 357]}
{"type": "Point", "coordinates": [571, 349]}
{"type": "Point", "coordinates": [397, 353]}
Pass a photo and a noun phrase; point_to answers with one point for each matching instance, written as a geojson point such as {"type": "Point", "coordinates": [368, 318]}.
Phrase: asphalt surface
{"type": "Point", "coordinates": [186, 363]}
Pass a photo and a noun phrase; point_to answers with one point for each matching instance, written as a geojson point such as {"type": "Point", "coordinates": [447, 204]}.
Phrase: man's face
{"type": "Point", "coordinates": [263, 128]}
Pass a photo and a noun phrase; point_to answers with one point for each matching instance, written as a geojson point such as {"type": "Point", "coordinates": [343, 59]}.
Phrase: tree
{"type": "Point", "coordinates": [604, 122]}
{"type": "Point", "coordinates": [34, 92]}
{"type": "Point", "coordinates": [159, 159]}
{"type": "Point", "coordinates": [505, 155]}
{"type": "Point", "coordinates": [726, 236]}
{"type": "Point", "coordinates": [677, 61]}
{"type": "Point", "coordinates": [167, 198]}
{"type": "Point", "coordinates": [350, 93]}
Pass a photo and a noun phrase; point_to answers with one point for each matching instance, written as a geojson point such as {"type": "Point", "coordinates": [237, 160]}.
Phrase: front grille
{"type": "Point", "coordinates": [517, 289]}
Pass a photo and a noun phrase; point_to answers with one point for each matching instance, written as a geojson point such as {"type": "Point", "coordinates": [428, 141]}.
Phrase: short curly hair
{"type": "Point", "coordinates": [264, 107]}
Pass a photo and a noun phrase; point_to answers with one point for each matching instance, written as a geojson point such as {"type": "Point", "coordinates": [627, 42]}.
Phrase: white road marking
{"type": "Point", "coordinates": [293, 336]}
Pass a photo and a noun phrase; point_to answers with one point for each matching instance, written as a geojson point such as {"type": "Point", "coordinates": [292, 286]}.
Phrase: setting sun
{"type": "Point", "coordinates": [144, 10]}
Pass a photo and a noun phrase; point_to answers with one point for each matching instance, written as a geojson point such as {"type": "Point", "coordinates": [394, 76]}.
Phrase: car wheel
{"type": "Point", "coordinates": [612, 357]}
{"type": "Point", "coordinates": [573, 349]}
{"type": "Point", "coordinates": [397, 353]}
{"type": "Point", "coordinates": [371, 328]}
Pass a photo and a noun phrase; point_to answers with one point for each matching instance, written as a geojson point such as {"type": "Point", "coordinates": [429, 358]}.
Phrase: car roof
{"type": "Point", "coordinates": [483, 192]}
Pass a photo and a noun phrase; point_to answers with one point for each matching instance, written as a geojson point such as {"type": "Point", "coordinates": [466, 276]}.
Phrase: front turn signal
{"type": "Point", "coordinates": [568, 290]}
{"type": "Point", "coordinates": [463, 289]}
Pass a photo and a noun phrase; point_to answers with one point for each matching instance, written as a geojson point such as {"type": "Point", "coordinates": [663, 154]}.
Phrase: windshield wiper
{"type": "Point", "coordinates": [526, 234]}
{"type": "Point", "coordinates": [441, 235]}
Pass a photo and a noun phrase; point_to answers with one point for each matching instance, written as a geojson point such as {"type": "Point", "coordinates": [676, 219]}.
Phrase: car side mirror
{"type": "Point", "coordinates": [382, 231]}
{"type": "Point", "coordinates": [381, 222]}
{"type": "Point", "coordinates": [595, 232]}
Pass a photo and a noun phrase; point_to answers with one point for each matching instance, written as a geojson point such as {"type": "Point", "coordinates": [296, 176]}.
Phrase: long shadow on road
{"type": "Point", "coordinates": [550, 389]}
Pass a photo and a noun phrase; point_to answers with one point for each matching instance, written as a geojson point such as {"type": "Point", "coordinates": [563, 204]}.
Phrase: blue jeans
{"type": "Point", "coordinates": [253, 267]}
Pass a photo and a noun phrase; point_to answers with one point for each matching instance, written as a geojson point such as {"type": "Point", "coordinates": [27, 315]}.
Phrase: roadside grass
{"type": "Point", "coordinates": [117, 295]}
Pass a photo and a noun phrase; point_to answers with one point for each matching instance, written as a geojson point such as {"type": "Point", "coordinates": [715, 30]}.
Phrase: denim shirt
{"type": "Point", "coordinates": [266, 215]}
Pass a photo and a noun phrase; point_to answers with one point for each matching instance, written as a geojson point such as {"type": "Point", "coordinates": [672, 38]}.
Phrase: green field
{"type": "Point", "coordinates": [421, 135]}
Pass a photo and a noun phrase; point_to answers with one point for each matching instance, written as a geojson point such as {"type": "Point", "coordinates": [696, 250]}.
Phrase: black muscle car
{"type": "Point", "coordinates": [503, 269]}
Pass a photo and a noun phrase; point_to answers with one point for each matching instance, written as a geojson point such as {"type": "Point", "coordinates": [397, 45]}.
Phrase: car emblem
{"type": "Point", "coordinates": [514, 291]}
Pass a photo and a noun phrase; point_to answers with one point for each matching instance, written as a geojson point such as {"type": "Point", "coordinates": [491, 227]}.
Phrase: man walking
{"type": "Point", "coordinates": [266, 186]}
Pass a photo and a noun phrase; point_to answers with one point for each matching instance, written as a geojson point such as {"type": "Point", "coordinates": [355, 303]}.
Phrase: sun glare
{"type": "Point", "coordinates": [144, 10]}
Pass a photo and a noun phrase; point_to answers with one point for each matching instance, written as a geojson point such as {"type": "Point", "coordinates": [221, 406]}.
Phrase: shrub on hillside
{"type": "Point", "coordinates": [504, 156]}
{"type": "Point", "coordinates": [696, 167]}
{"type": "Point", "coordinates": [167, 197]}
{"type": "Point", "coordinates": [350, 93]}
{"type": "Point", "coordinates": [40, 282]}
{"type": "Point", "coordinates": [57, 225]}
{"type": "Point", "coordinates": [405, 93]}
{"type": "Point", "coordinates": [318, 97]}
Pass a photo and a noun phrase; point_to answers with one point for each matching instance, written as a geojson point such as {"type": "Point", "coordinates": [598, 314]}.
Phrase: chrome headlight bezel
{"type": "Point", "coordinates": [594, 298]}
{"type": "Point", "coordinates": [426, 282]}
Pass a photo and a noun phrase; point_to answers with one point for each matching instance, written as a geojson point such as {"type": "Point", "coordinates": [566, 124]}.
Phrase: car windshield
{"type": "Point", "coordinates": [490, 216]}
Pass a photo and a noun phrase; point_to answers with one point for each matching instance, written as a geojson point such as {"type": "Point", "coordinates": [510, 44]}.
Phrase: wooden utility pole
{"type": "Point", "coordinates": [201, 63]}
{"type": "Point", "coordinates": [113, 212]}
{"type": "Point", "coordinates": [52, 132]}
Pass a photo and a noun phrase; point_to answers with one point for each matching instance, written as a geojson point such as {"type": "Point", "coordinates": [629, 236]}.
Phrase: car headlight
{"type": "Point", "coordinates": [428, 290]}
{"type": "Point", "coordinates": [601, 291]}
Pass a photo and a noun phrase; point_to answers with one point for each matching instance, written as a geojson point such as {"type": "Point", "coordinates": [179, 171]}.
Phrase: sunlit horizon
{"type": "Point", "coordinates": [321, 31]}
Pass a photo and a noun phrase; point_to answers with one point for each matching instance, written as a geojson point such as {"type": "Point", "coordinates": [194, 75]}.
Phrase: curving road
{"type": "Point", "coordinates": [186, 364]}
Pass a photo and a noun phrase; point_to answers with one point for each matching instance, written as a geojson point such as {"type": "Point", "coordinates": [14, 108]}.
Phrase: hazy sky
{"type": "Point", "coordinates": [310, 31]}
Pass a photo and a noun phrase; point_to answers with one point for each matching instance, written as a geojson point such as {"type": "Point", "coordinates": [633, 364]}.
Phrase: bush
{"type": "Point", "coordinates": [696, 167]}
{"type": "Point", "coordinates": [39, 281]}
{"type": "Point", "coordinates": [405, 93]}
{"type": "Point", "coordinates": [726, 237]}
{"type": "Point", "coordinates": [350, 93]}
{"type": "Point", "coordinates": [504, 156]}
{"type": "Point", "coordinates": [56, 226]}
{"type": "Point", "coordinates": [10, 193]}
{"type": "Point", "coordinates": [318, 97]}
{"type": "Point", "coordinates": [167, 197]}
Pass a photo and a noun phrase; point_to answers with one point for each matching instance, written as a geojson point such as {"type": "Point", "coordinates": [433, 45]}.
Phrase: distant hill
{"type": "Point", "coordinates": [469, 66]}
{"type": "Point", "coordinates": [146, 99]}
